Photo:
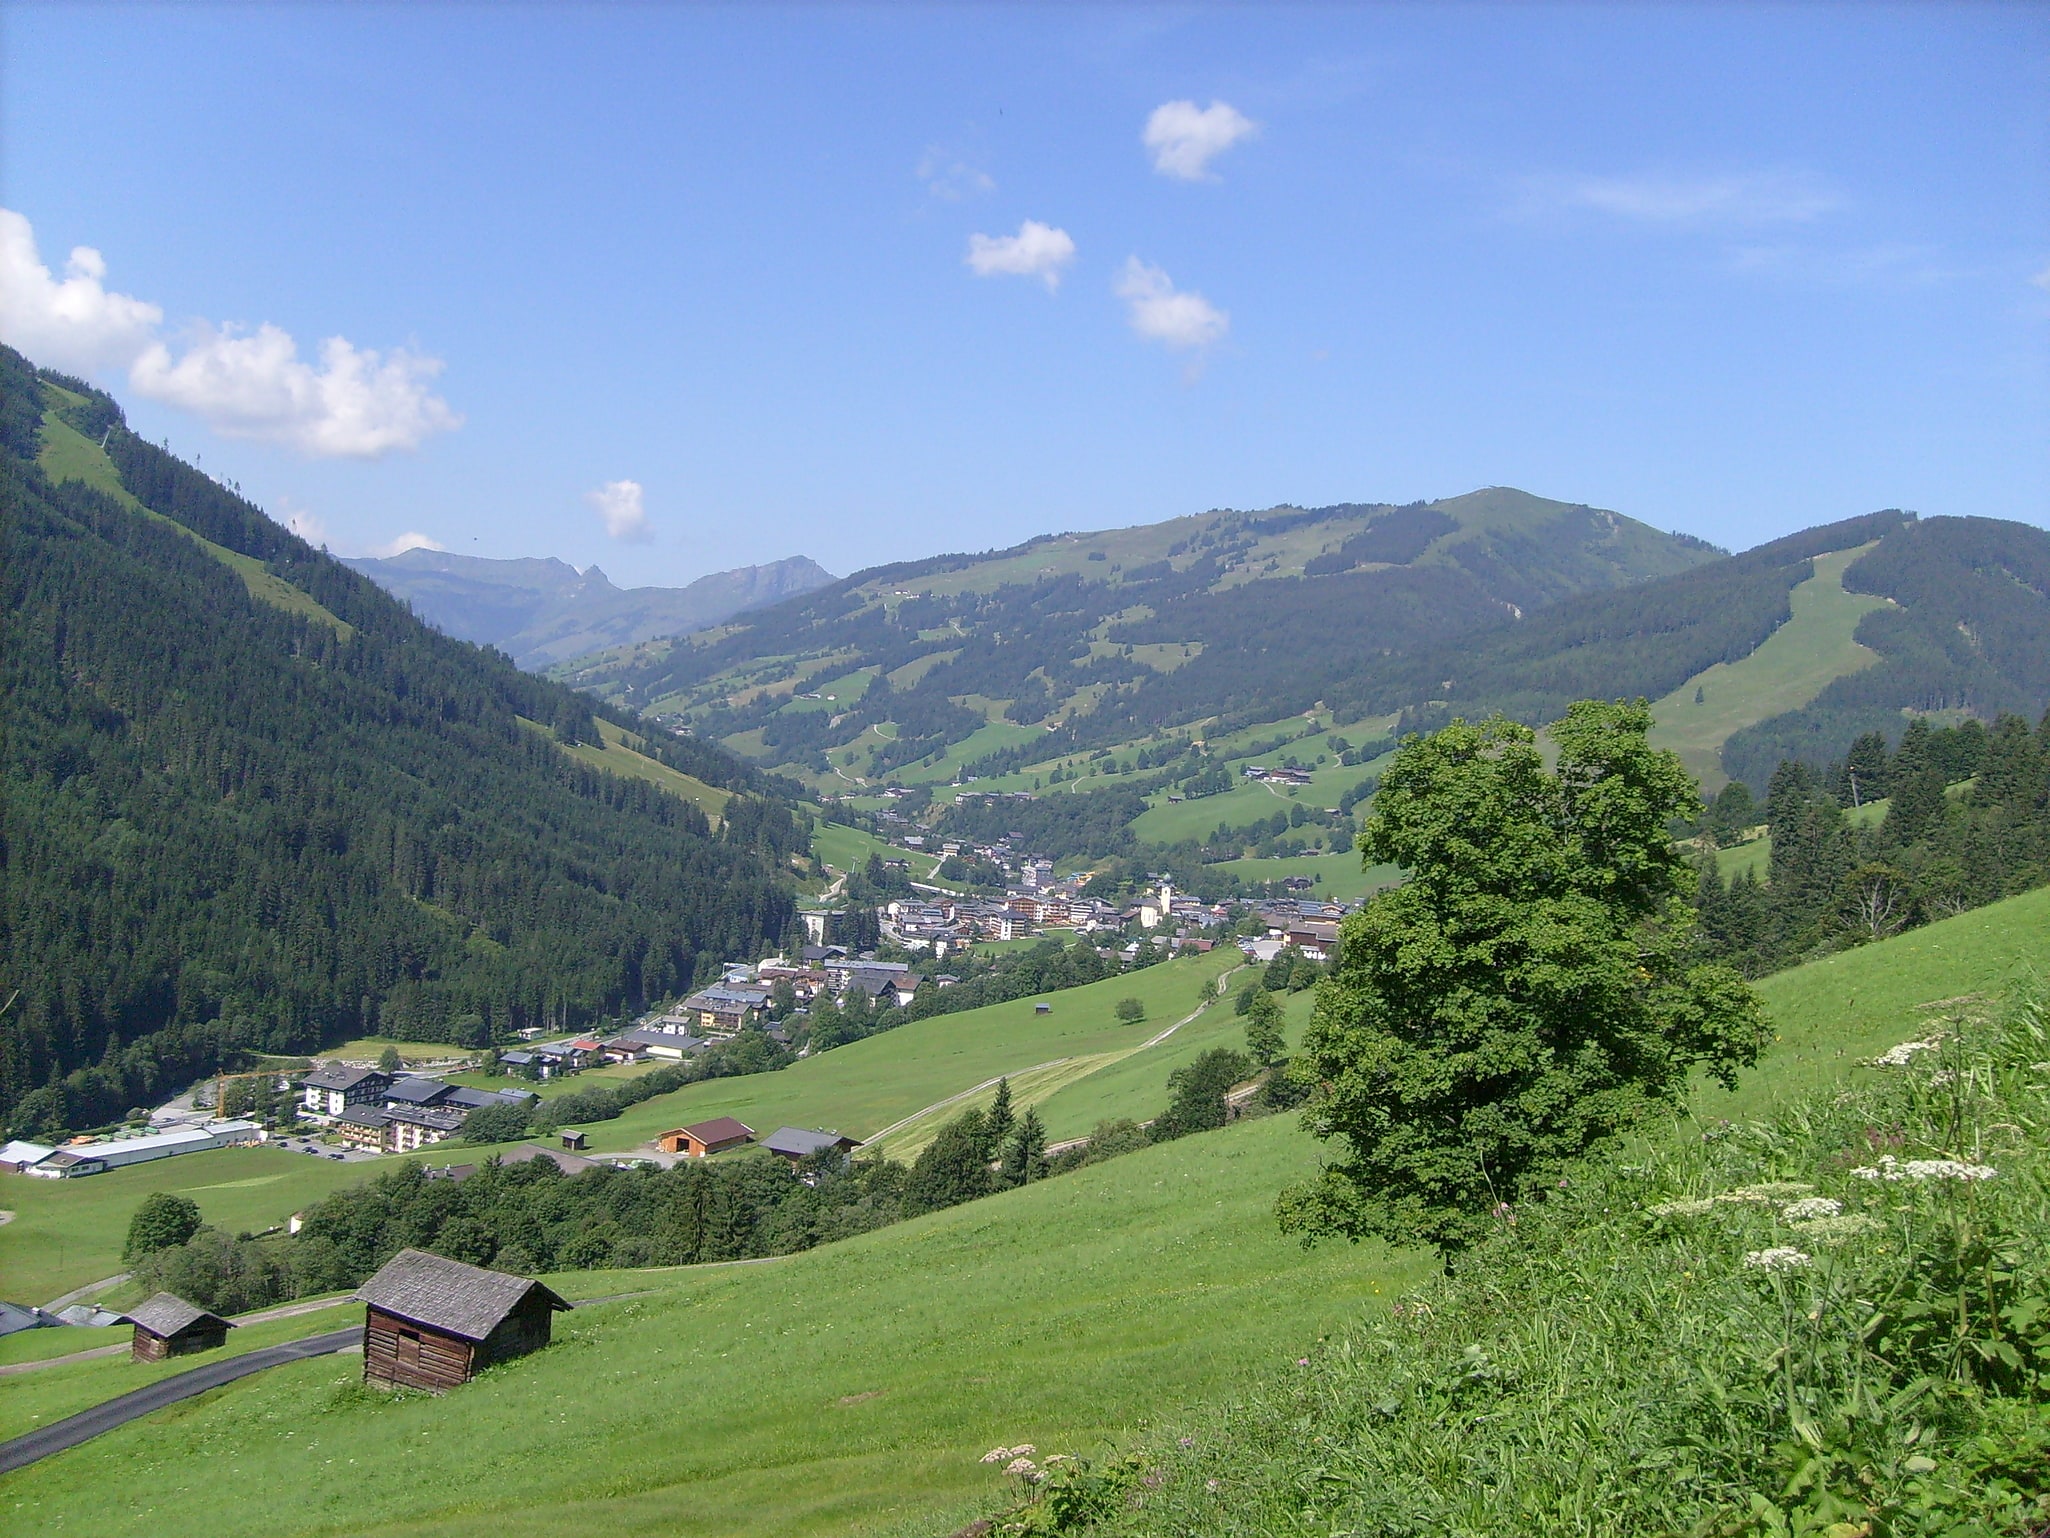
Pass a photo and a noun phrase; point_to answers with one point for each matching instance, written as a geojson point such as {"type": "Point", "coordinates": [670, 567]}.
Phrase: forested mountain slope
{"type": "Point", "coordinates": [251, 802]}
{"type": "Point", "coordinates": [1110, 634]}
{"type": "Point", "coordinates": [541, 612]}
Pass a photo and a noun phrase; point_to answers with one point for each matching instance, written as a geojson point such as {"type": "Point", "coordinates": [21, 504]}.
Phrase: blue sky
{"type": "Point", "coordinates": [1733, 270]}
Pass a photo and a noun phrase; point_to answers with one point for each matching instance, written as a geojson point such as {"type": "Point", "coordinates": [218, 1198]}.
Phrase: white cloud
{"type": "Point", "coordinates": [2042, 279]}
{"type": "Point", "coordinates": [619, 504]}
{"type": "Point", "coordinates": [1036, 251]}
{"type": "Point", "coordinates": [357, 403]}
{"type": "Point", "coordinates": [1184, 138]}
{"type": "Point", "coordinates": [952, 179]}
{"type": "Point", "coordinates": [75, 325]}
{"type": "Point", "coordinates": [1161, 313]}
{"type": "Point", "coordinates": [411, 540]}
{"type": "Point", "coordinates": [1761, 197]}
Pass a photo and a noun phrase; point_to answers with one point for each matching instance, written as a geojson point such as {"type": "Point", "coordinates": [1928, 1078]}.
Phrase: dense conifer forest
{"type": "Point", "coordinates": [1965, 821]}
{"type": "Point", "coordinates": [229, 826]}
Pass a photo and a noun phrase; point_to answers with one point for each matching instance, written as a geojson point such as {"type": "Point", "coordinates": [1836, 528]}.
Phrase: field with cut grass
{"type": "Point", "coordinates": [619, 756]}
{"type": "Point", "coordinates": [1798, 661]}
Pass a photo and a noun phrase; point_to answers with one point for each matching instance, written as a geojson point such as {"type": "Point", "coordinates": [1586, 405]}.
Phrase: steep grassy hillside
{"type": "Point", "coordinates": [842, 1389]}
{"type": "Point", "coordinates": [854, 1388]}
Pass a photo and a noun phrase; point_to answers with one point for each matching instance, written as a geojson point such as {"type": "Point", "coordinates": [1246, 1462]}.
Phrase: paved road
{"type": "Point", "coordinates": [88, 1424]}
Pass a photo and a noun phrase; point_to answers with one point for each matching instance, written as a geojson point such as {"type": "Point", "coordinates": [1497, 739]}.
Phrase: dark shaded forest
{"type": "Point", "coordinates": [229, 828]}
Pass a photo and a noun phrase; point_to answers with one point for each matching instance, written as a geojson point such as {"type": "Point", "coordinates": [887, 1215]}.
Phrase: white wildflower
{"type": "Point", "coordinates": [1023, 1450]}
{"type": "Point", "coordinates": [1890, 1168]}
{"type": "Point", "coordinates": [1809, 1208]}
{"type": "Point", "coordinates": [1900, 1056]}
{"type": "Point", "coordinates": [1833, 1231]}
{"type": "Point", "coordinates": [1020, 1466]}
{"type": "Point", "coordinates": [1768, 1193]}
{"type": "Point", "coordinates": [1682, 1209]}
{"type": "Point", "coordinates": [996, 1455]}
{"type": "Point", "coordinates": [1780, 1257]}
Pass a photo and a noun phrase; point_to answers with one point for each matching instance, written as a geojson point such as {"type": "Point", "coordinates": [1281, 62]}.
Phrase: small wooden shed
{"type": "Point", "coordinates": [433, 1323]}
{"type": "Point", "coordinates": [707, 1137]}
{"type": "Point", "coordinates": [167, 1325]}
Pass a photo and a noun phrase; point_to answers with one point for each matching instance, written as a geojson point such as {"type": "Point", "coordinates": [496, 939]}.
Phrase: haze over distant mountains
{"type": "Point", "coordinates": [544, 611]}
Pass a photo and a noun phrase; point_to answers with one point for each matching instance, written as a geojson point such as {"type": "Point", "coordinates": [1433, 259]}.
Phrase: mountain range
{"type": "Point", "coordinates": [541, 611]}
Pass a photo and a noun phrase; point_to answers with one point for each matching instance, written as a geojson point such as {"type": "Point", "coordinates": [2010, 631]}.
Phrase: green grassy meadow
{"type": "Point", "coordinates": [1340, 876]}
{"type": "Point", "coordinates": [852, 1388]}
{"type": "Point", "coordinates": [867, 1085]}
{"type": "Point", "coordinates": [849, 1389]}
{"type": "Point", "coordinates": [1798, 661]}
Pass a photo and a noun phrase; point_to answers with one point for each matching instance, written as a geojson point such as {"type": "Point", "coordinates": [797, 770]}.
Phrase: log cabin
{"type": "Point", "coordinates": [706, 1138]}
{"type": "Point", "coordinates": [433, 1323]}
{"type": "Point", "coordinates": [167, 1325]}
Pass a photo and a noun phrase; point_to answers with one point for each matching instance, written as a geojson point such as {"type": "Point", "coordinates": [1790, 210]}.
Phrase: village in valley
{"type": "Point", "coordinates": [349, 1108]}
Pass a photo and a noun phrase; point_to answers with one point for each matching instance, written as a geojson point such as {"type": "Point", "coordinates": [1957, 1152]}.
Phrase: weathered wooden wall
{"type": "Point", "coordinates": [403, 1354]}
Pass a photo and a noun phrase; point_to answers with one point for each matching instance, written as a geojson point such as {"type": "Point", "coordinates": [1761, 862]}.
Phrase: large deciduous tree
{"type": "Point", "coordinates": [1528, 991]}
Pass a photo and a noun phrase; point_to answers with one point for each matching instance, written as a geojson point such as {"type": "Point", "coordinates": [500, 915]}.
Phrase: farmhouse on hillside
{"type": "Point", "coordinates": [167, 1325]}
{"type": "Point", "coordinates": [706, 1138]}
{"type": "Point", "coordinates": [799, 1143]}
{"type": "Point", "coordinates": [433, 1323]}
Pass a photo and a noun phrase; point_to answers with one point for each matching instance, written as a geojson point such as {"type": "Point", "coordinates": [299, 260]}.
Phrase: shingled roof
{"type": "Point", "coordinates": [165, 1314]}
{"type": "Point", "coordinates": [447, 1295]}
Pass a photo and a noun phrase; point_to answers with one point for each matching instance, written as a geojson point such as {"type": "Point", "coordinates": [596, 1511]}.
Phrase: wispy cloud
{"type": "Point", "coordinates": [619, 505]}
{"type": "Point", "coordinates": [952, 179]}
{"type": "Point", "coordinates": [1185, 138]}
{"type": "Point", "coordinates": [2042, 279]}
{"type": "Point", "coordinates": [355, 403]}
{"type": "Point", "coordinates": [1158, 311]}
{"type": "Point", "coordinates": [1036, 251]}
{"type": "Point", "coordinates": [1897, 265]}
{"type": "Point", "coordinates": [1659, 198]}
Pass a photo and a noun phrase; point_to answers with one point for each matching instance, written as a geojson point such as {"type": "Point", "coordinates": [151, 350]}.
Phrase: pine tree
{"type": "Point", "coordinates": [1024, 1152]}
{"type": "Point", "coordinates": [999, 1118]}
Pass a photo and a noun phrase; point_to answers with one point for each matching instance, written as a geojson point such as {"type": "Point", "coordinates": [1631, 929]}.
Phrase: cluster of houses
{"type": "Point", "coordinates": [370, 1109]}
{"type": "Point", "coordinates": [1269, 775]}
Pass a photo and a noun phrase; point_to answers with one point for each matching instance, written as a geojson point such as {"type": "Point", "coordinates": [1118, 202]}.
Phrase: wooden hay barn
{"type": "Point", "coordinates": [167, 1325]}
{"type": "Point", "coordinates": [706, 1138]}
{"type": "Point", "coordinates": [433, 1323]}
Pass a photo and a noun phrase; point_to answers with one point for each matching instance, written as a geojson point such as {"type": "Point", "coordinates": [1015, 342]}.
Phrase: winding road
{"type": "Point", "coordinates": [87, 1424]}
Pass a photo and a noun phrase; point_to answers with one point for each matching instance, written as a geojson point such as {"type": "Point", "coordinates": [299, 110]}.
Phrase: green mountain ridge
{"type": "Point", "coordinates": [1232, 614]}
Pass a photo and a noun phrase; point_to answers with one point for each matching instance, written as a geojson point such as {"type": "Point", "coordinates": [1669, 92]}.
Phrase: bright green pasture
{"type": "Point", "coordinates": [1340, 875]}
{"type": "Point", "coordinates": [852, 1388]}
{"type": "Point", "coordinates": [1754, 857]}
{"type": "Point", "coordinates": [867, 1085]}
{"type": "Point", "coordinates": [847, 849]}
{"type": "Point", "coordinates": [1251, 800]}
{"type": "Point", "coordinates": [1796, 662]}
{"type": "Point", "coordinates": [1832, 1014]}
{"type": "Point", "coordinates": [367, 1049]}
{"type": "Point", "coordinates": [66, 1233]}
{"type": "Point", "coordinates": [983, 740]}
